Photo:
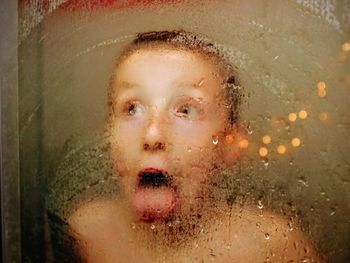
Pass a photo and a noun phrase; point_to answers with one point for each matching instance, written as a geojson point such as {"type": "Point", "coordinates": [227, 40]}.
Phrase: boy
{"type": "Point", "coordinates": [174, 102]}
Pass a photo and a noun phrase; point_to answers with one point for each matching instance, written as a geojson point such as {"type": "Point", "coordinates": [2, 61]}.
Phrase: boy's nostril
{"type": "Point", "coordinates": [154, 147]}
{"type": "Point", "coordinates": [159, 146]}
{"type": "Point", "coordinates": [146, 147]}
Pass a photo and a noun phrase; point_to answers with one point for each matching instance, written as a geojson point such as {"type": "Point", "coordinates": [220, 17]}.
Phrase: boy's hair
{"type": "Point", "coordinates": [184, 40]}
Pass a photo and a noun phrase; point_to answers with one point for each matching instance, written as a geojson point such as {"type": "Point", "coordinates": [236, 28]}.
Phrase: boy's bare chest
{"type": "Point", "coordinates": [114, 240]}
{"type": "Point", "coordinates": [222, 246]}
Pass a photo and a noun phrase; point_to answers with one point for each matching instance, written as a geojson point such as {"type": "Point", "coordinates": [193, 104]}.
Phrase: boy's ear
{"type": "Point", "coordinates": [232, 147]}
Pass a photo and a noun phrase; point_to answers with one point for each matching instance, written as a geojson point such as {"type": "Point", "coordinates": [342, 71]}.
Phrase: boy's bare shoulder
{"type": "Point", "coordinates": [93, 215]}
{"type": "Point", "coordinates": [272, 236]}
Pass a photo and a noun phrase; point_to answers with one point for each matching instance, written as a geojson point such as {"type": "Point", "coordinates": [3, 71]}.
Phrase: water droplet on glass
{"type": "Point", "coordinates": [303, 181]}
{"type": "Point", "coordinates": [249, 130]}
{"type": "Point", "coordinates": [189, 149]}
{"type": "Point", "coordinates": [153, 227]}
{"type": "Point", "coordinates": [133, 226]}
{"type": "Point", "coordinates": [265, 162]}
{"type": "Point", "coordinates": [215, 140]}
{"type": "Point", "coordinates": [332, 212]}
{"type": "Point", "coordinates": [306, 259]}
{"type": "Point", "coordinates": [260, 204]}
{"type": "Point", "coordinates": [295, 245]}
{"type": "Point", "coordinates": [212, 255]}
{"type": "Point", "coordinates": [267, 236]}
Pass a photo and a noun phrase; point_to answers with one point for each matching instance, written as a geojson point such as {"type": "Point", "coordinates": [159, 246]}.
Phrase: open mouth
{"type": "Point", "coordinates": [154, 178]}
{"type": "Point", "coordinates": [155, 196]}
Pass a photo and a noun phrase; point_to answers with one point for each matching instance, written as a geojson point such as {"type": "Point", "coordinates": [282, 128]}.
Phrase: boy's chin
{"type": "Point", "coordinates": [155, 203]}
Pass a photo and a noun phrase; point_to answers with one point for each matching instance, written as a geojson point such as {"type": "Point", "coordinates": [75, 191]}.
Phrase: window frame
{"type": "Point", "coordinates": [9, 139]}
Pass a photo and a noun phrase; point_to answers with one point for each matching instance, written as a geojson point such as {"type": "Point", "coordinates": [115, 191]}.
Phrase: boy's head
{"type": "Point", "coordinates": [173, 109]}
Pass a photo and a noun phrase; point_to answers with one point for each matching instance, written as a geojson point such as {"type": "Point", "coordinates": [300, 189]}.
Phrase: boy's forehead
{"type": "Point", "coordinates": [155, 54]}
{"type": "Point", "coordinates": [194, 67]}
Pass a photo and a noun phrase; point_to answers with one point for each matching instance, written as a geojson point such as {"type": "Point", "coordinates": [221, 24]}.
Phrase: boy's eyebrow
{"type": "Point", "coordinates": [192, 84]}
{"type": "Point", "coordinates": [126, 84]}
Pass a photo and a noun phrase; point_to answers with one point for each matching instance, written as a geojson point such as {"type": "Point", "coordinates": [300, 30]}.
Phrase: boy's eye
{"type": "Point", "coordinates": [133, 108]}
{"type": "Point", "coordinates": [188, 111]}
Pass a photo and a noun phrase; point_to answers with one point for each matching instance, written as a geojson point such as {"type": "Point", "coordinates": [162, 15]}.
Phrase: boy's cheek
{"type": "Point", "coordinates": [192, 133]}
{"type": "Point", "coordinates": [124, 155]}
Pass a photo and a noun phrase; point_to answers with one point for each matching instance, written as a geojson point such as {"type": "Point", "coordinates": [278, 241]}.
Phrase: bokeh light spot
{"type": "Point", "coordinates": [321, 85]}
{"type": "Point", "coordinates": [243, 143]}
{"type": "Point", "coordinates": [296, 142]}
{"type": "Point", "coordinates": [346, 47]}
{"type": "Point", "coordinates": [266, 139]}
{"type": "Point", "coordinates": [302, 114]}
{"type": "Point", "coordinates": [229, 138]}
{"type": "Point", "coordinates": [323, 116]}
{"type": "Point", "coordinates": [292, 117]}
{"type": "Point", "coordinates": [281, 149]}
{"type": "Point", "coordinates": [322, 93]}
{"type": "Point", "coordinates": [263, 151]}
{"type": "Point", "coordinates": [321, 89]}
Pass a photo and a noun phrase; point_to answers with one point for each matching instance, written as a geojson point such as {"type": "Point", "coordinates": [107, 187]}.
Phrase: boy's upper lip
{"type": "Point", "coordinates": [154, 162]}
{"type": "Point", "coordinates": [151, 169]}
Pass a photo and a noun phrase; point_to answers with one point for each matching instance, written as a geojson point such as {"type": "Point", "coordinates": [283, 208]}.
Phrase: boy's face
{"type": "Point", "coordinates": [170, 115]}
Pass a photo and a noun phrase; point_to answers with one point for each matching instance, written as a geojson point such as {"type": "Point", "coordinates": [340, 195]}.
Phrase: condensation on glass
{"type": "Point", "coordinates": [292, 61]}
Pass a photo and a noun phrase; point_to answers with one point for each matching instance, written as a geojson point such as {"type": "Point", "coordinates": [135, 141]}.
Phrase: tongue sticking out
{"type": "Point", "coordinates": [154, 203]}
{"type": "Point", "coordinates": [154, 196]}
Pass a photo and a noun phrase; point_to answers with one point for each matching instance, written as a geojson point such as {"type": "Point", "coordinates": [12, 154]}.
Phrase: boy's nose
{"type": "Point", "coordinates": [154, 138]}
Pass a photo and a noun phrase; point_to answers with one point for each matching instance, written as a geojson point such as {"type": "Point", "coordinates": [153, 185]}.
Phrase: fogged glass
{"type": "Point", "coordinates": [287, 174]}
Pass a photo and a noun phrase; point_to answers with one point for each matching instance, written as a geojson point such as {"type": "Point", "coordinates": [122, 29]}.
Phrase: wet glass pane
{"type": "Point", "coordinates": [184, 131]}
